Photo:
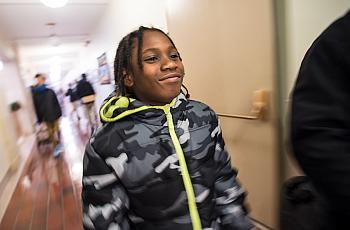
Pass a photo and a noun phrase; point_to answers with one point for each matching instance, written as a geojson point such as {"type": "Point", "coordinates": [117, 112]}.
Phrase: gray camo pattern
{"type": "Point", "coordinates": [132, 178]}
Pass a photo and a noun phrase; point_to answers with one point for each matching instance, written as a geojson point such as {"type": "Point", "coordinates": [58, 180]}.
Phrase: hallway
{"type": "Point", "coordinates": [231, 50]}
{"type": "Point", "coordinates": [47, 195]}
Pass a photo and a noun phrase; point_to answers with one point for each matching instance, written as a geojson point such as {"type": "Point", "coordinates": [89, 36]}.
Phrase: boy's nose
{"type": "Point", "coordinates": [168, 64]}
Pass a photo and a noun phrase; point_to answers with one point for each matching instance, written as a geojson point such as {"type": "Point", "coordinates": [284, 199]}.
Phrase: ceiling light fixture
{"type": "Point", "coordinates": [54, 3]}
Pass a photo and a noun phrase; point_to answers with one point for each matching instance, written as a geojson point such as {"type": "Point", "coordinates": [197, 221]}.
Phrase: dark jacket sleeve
{"type": "Point", "coordinates": [91, 89]}
{"type": "Point", "coordinates": [55, 107]}
{"type": "Point", "coordinates": [79, 90]}
{"type": "Point", "coordinates": [229, 194]}
{"type": "Point", "coordinates": [36, 106]}
{"type": "Point", "coordinates": [320, 114]}
{"type": "Point", "coordinates": [105, 201]}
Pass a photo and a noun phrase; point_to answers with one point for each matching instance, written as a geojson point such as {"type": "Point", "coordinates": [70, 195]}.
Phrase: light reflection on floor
{"type": "Point", "coordinates": [73, 150]}
{"type": "Point", "coordinates": [48, 193]}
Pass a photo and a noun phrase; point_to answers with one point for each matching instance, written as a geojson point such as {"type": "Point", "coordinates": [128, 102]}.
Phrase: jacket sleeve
{"type": "Point", "coordinates": [91, 88]}
{"type": "Point", "coordinates": [56, 105]}
{"type": "Point", "coordinates": [79, 90]}
{"type": "Point", "coordinates": [36, 108]}
{"type": "Point", "coordinates": [229, 194]}
{"type": "Point", "coordinates": [105, 202]}
{"type": "Point", "coordinates": [320, 115]}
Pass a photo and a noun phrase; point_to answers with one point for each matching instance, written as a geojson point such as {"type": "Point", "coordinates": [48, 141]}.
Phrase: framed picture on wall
{"type": "Point", "coordinates": [104, 73]}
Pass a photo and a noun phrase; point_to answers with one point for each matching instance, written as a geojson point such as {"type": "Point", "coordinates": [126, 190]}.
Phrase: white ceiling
{"type": "Point", "coordinates": [24, 22]}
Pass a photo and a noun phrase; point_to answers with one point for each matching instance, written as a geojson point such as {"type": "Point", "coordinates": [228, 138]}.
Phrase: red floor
{"type": "Point", "coordinates": [47, 195]}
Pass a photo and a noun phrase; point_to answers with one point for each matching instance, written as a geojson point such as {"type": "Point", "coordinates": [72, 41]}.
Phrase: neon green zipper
{"type": "Point", "coordinates": [107, 116]}
{"type": "Point", "coordinates": [196, 222]}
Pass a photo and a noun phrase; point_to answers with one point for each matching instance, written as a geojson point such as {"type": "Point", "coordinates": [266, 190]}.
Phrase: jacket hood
{"type": "Point", "coordinates": [115, 108]}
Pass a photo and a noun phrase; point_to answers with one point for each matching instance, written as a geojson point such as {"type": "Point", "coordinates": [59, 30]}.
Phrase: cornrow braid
{"type": "Point", "coordinates": [187, 94]}
{"type": "Point", "coordinates": [139, 46]}
{"type": "Point", "coordinates": [122, 61]}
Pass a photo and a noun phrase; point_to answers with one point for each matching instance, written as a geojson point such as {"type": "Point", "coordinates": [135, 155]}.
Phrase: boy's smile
{"type": "Point", "coordinates": [171, 77]}
{"type": "Point", "coordinates": [161, 78]}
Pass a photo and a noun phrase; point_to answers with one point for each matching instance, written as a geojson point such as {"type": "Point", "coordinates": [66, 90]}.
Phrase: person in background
{"type": "Point", "coordinates": [159, 162]}
{"type": "Point", "coordinates": [74, 99]}
{"type": "Point", "coordinates": [60, 98]}
{"type": "Point", "coordinates": [320, 120]}
{"type": "Point", "coordinates": [48, 110]}
{"type": "Point", "coordinates": [86, 93]}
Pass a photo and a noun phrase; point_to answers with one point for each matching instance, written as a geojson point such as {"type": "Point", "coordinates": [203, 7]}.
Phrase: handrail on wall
{"type": "Point", "coordinates": [259, 107]}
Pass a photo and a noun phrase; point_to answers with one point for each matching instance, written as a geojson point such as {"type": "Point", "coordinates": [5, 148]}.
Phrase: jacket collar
{"type": "Point", "coordinates": [116, 108]}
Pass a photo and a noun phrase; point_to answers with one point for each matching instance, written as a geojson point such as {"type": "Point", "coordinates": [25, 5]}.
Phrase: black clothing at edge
{"type": "Point", "coordinates": [320, 119]}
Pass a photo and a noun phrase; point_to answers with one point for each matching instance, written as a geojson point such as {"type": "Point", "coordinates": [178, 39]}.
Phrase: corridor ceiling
{"type": "Point", "coordinates": [40, 32]}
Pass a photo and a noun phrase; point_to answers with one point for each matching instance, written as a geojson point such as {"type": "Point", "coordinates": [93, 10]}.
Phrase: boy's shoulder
{"type": "Point", "coordinates": [200, 107]}
{"type": "Point", "coordinates": [201, 112]}
{"type": "Point", "coordinates": [108, 137]}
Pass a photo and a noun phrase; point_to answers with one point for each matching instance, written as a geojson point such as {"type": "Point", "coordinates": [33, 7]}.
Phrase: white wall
{"type": "Point", "coordinates": [13, 126]}
{"type": "Point", "coordinates": [14, 90]}
{"type": "Point", "coordinates": [6, 50]}
{"type": "Point", "coordinates": [8, 148]}
{"type": "Point", "coordinates": [305, 20]}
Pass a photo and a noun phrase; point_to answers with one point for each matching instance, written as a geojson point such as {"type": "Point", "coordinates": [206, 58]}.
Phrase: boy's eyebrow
{"type": "Point", "coordinates": [157, 49]}
{"type": "Point", "coordinates": [149, 49]}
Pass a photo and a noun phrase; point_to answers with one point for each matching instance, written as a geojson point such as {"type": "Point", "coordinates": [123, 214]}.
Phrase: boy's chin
{"type": "Point", "coordinates": [168, 99]}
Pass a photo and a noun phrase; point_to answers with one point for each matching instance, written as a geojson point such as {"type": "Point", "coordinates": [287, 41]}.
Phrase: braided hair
{"type": "Point", "coordinates": [122, 61]}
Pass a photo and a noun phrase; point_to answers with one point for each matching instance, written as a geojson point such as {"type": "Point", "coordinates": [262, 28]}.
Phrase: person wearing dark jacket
{"type": "Point", "coordinates": [73, 98]}
{"type": "Point", "coordinates": [47, 109]}
{"type": "Point", "coordinates": [86, 93]}
{"type": "Point", "coordinates": [320, 119]}
{"type": "Point", "coordinates": [159, 162]}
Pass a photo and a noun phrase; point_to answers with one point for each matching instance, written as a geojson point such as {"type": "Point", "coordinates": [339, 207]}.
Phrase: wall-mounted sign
{"type": "Point", "coordinates": [103, 70]}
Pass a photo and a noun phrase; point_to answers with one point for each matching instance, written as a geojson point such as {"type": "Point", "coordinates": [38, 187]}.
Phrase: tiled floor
{"type": "Point", "coordinates": [47, 195]}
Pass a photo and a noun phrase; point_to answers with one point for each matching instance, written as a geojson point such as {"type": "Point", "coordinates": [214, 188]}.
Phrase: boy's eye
{"type": "Point", "coordinates": [151, 59]}
{"type": "Point", "coordinates": [174, 55]}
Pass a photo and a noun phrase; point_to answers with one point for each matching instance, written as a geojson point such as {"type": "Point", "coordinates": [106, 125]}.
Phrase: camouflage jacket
{"type": "Point", "coordinates": [133, 178]}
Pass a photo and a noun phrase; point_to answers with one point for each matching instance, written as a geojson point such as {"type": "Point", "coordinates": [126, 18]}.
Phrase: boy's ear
{"type": "Point", "coordinates": [128, 79]}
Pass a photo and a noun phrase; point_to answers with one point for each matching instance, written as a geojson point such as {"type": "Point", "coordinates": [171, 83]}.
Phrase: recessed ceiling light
{"type": "Point", "coordinates": [1, 65]}
{"type": "Point", "coordinates": [54, 3]}
{"type": "Point", "coordinates": [50, 24]}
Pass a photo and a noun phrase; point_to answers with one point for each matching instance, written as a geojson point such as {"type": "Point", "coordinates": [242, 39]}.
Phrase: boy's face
{"type": "Point", "coordinates": [161, 78]}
